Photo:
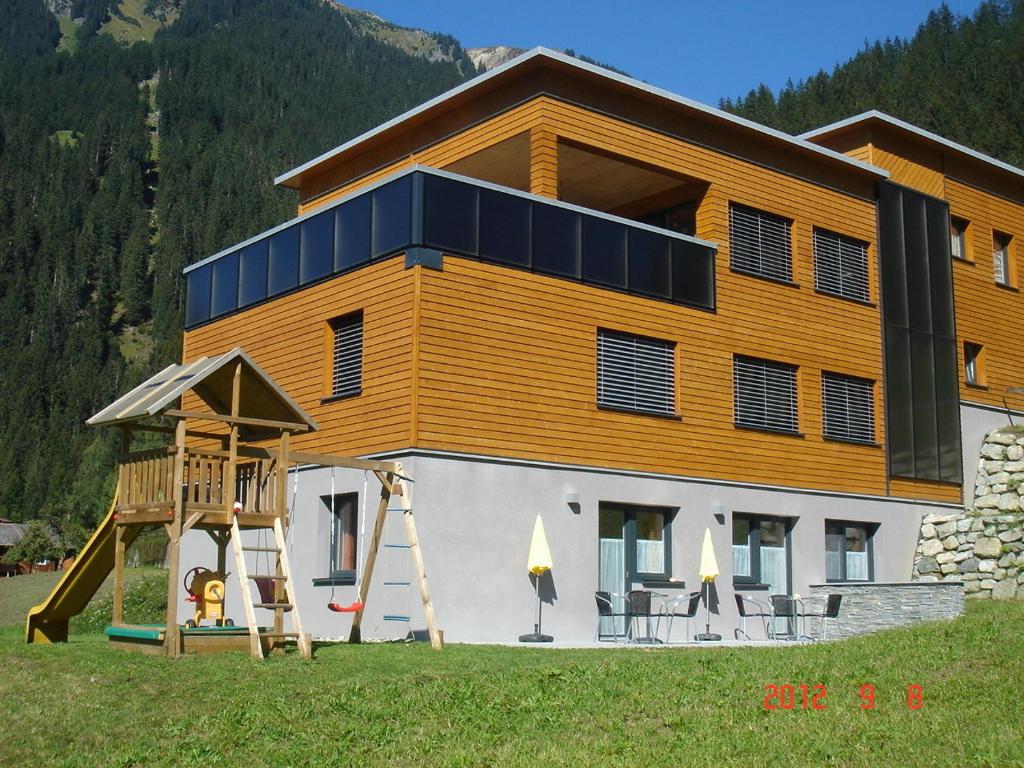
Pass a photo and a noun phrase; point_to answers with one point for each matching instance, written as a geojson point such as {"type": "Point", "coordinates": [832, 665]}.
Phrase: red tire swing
{"type": "Point", "coordinates": [332, 604]}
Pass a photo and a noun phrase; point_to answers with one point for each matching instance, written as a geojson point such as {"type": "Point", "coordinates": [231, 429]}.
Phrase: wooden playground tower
{"type": "Point", "coordinates": [227, 472]}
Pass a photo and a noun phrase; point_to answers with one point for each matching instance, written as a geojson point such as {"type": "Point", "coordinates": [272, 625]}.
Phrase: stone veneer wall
{"type": "Point", "coordinates": [984, 546]}
{"type": "Point", "coordinates": [869, 607]}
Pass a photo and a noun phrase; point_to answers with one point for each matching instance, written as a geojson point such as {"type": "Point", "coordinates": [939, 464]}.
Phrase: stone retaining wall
{"type": "Point", "coordinates": [869, 607]}
{"type": "Point", "coordinates": [983, 547]}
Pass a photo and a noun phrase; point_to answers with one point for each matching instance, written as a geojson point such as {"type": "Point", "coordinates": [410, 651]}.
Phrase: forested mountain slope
{"type": "Point", "coordinates": [119, 165]}
{"type": "Point", "coordinates": [962, 78]}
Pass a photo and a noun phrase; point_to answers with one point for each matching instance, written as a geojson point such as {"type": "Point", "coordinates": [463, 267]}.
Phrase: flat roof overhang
{"type": "Point", "coordinates": [554, 63]}
{"type": "Point", "coordinates": [875, 118]}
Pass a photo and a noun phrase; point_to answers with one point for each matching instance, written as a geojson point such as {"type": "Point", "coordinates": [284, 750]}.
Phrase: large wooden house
{"type": "Point", "coordinates": [557, 290]}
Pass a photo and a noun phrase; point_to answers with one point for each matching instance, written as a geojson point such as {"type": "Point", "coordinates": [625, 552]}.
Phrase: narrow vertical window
{"type": "Point", "coordinates": [347, 355]}
{"type": "Point", "coordinates": [958, 245]}
{"type": "Point", "coordinates": [974, 364]}
{"type": "Point", "coordinates": [343, 508]}
{"type": "Point", "coordinates": [1002, 266]}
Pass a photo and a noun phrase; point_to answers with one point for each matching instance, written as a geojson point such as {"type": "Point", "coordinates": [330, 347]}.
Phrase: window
{"type": "Point", "coordinates": [974, 364]}
{"type": "Point", "coordinates": [764, 394]}
{"type": "Point", "coordinates": [841, 265]}
{"type": "Point", "coordinates": [849, 408]}
{"type": "Point", "coordinates": [760, 552]}
{"type": "Point", "coordinates": [1001, 258]}
{"type": "Point", "coordinates": [958, 245]}
{"type": "Point", "coordinates": [344, 524]}
{"type": "Point", "coordinates": [848, 552]}
{"type": "Point", "coordinates": [760, 243]}
{"type": "Point", "coordinates": [347, 349]}
{"type": "Point", "coordinates": [635, 373]}
{"type": "Point", "coordinates": [635, 545]}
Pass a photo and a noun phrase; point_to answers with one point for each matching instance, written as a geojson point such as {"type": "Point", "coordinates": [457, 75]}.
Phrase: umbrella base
{"type": "Point", "coordinates": [536, 637]}
{"type": "Point", "coordinates": [708, 637]}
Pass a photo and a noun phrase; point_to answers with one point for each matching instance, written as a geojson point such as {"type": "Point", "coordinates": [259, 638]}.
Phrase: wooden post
{"type": "Point", "coordinates": [387, 483]}
{"type": "Point", "coordinates": [171, 636]}
{"type": "Point", "coordinates": [543, 163]}
{"type": "Point", "coordinates": [228, 478]}
{"type": "Point", "coordinates": [281, 505]}
{"type": "Point", "coordinates": [118, 613]}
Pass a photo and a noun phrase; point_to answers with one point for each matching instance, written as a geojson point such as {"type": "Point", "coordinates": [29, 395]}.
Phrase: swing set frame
{"type": "Point", "coordinates": [394, 485]}
{"type": "Point", "coordinates": [191, 484]}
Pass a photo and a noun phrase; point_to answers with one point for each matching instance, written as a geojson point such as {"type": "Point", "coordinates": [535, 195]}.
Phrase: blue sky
{"type": "Point", "coordinates": [706, 50]}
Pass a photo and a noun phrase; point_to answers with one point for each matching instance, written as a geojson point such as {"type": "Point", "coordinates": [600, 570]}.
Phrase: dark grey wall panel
{"type": "Point", "coordinates": [922, 377]}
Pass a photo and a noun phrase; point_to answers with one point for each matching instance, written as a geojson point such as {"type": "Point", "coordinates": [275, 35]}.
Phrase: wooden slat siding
{"type": "Point", "coordinates": [600, 96]}
{"type": "Point", "coordinates": [909, 163]}
{"type": "Point", "coordinates": [536, 113]}
{"type": "Point", "coordinates": [906, 488]}
{"type": "Point", "coordinates": [521, 119]}
{"type": "Point", "coordinates": [989, 201]}
{"type": "Point", "coordinates": [987, 314]}
{"type": "Point", "coordinates": [285, 336]}
{"type": "Point", "coordinates": [507, 368]}
{"type": "Point", "coordinates": [543, 163]}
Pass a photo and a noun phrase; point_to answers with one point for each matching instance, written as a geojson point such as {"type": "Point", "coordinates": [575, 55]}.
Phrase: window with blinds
{"type": "Point", "coordinates": [347, 367]}
{"type": "Point", "coordinates": [760, 243]}
{"type": "Point", "coordinates": [635, 373]}
{"type": "Point", "coordinates": [840, 265]}
{"type": "Point", "coordinates": [849, 408]}
{"type": "Point", "coordinates": [764, 394]}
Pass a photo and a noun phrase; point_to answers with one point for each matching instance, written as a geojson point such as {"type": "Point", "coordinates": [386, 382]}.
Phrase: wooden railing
{"type": "Point", "coordinates": [147, 482]}
{"type": "Point", "coordinates": [256, 486]}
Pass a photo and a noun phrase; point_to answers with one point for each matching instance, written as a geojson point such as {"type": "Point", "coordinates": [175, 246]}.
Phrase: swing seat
{"type": "Point", "coordinates": [339, 608]}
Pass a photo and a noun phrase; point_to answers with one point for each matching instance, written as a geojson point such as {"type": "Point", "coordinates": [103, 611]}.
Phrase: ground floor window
{"type": "Point", "coordinates": [635, 545]}
{"type": "Point", "coordinates": [760, 552]}
{"type": "Point", "coordinates": [344, 518]}
{"type": "Point", "coordinates": [848, 555]}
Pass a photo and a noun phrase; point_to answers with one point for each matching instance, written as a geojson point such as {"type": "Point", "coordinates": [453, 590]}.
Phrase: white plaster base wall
{"type": "Point", "coordinates": [475, 517]}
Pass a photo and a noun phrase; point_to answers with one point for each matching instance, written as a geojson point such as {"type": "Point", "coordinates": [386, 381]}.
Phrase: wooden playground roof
{"type": "Point", "coordinates": [211, 378]}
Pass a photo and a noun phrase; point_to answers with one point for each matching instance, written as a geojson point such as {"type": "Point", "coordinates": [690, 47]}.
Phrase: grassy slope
{"type": "Point", "coordinates": [19, 594]}
{"type": "Point", "coordinates": [86, 704]}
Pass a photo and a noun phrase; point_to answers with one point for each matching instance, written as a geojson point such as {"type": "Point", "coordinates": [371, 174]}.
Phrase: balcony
{"type": "Point", "coordinates": [426, 208]}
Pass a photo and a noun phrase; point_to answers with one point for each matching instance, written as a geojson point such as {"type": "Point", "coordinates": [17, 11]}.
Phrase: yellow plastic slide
{"type": "Point", "coordinates": [48, 621]}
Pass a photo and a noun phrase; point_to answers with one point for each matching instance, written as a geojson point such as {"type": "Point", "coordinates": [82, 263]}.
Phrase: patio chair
{"type": "Point", "coordinates": [829, 612]}
{"type": "Point", "coordinates": [749, 608]}
{"type": "Point", "coordinates": [784, 607]}
{"type": "Point", "coordinates": [638, 606]}
{"type": "Point", "coordinates": [673, 611]}
{"type": "Point", "coordinates": [606, 610]}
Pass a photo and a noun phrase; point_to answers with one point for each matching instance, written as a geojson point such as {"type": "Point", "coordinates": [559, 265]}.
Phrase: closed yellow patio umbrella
{"type": "Point", "coordinates": [708, 573]}
{"type": "Point", "coordinates": [539, 559]}
{"type": "Point", "coordinates": [538, 562]}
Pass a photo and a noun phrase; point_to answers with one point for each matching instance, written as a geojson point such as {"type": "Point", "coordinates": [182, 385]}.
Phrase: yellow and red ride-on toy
{"type": "Point", "coordinates": [206, 589]}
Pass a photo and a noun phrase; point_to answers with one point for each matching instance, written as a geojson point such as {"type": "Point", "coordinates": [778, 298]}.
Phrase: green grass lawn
{"type": "Point", "coordinates": [86, 704]}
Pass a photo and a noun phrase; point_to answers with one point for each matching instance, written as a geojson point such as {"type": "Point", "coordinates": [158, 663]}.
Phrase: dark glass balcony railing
{"type": "Point", "coordinates": [461, 216]}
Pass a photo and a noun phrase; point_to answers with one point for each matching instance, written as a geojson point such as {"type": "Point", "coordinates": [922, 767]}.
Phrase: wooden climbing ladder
{"type": "Point", "coordinates": [396, 497]}
{"type": "Point", "coordinates": [283, 593]}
